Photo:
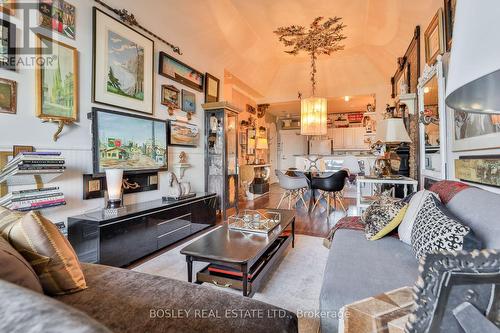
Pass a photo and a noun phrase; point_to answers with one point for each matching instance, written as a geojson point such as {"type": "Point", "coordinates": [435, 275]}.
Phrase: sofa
{"type": "Point", "coordinates": [96, 298]}
{"type": "Point", "coordinates": [358, 268]}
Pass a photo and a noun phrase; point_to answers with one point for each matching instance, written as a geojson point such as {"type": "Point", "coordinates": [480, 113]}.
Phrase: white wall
{"type": "Point", "coordinates": [75, 142]}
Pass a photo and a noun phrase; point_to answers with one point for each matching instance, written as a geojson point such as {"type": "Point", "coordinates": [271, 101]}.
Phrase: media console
{"type": "Point", "coordinates": [140, 230]}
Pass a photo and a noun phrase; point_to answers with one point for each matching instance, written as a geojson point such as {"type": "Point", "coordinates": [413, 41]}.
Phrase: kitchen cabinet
{"type": "Point", "coordinates": [348, 138]}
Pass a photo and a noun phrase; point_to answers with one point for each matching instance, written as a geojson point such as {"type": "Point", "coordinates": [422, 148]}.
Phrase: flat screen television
{"type": "Point", "coordinates": [127, 141]}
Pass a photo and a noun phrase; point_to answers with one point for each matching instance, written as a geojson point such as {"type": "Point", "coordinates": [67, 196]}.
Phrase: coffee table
{"type": "Point", "coordinates": [247, 256]}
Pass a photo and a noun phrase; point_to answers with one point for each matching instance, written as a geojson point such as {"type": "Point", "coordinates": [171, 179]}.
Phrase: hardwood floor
{"type": "Point", "coordinates": [307, 223]}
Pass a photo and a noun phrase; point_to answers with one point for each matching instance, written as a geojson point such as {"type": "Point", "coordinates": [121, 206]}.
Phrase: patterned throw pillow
{"type": "Point", "coordinates": [436, 229]}
{"type": "Point", "coordinates": [379, 216]}
{"type": "Point", "coordinates": [53, 259]}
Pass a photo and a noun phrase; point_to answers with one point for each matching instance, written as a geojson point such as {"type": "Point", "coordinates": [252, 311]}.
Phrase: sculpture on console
{"type": "Point", "coordinates": [177, 189]}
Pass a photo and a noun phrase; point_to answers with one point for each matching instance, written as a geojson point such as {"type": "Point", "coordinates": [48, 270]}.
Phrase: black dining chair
{"type": "Point", "coordinates": [330, 187]}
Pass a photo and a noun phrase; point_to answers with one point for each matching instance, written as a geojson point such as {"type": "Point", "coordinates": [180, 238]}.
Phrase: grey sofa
{"type": "Point", "coordinates": [358, 268]}
{"type": "Point", "coordinates": [119, 300]}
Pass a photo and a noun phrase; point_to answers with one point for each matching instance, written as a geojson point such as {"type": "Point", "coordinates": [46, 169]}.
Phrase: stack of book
{"type": "Point", "coordinates": [20, 171]}
{"type": "Point", "coordinates": [33, 163]}
{"type": "Point", "coordinates": [33, 199]}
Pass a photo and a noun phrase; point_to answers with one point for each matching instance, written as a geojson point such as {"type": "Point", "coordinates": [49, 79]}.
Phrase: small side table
{"type": "Point", "coordinates": [368, 180]}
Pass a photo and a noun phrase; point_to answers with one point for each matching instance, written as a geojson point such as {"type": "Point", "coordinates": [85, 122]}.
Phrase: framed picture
{"type": "Point", "coordinates": [58, 15]}
{"type": "Point", "coordinates": [180, 72]}
{"type": "Point", "coordinates": [7, 6]}
{"type": "Point", "coordinates": [122, 65]}
{"type": "Point", "coordinates": [8, 96]}
{"type": "Point", "coordinates": [251, 109]}
{"type": "Point", "coordinates": [449, 19]}
{"type": "Point", "coordinates": [434, 38]}
{"type": "Point", "coordinates": [170, 96]}
{"type": "Point", "coordinates": [56, 82]}
{"type": "Point", "coordinates": [134, 143]}
{"type": "Point", "coordinates": [188, 101]}
{"type": "Point", "coordinates": [7, 45]}
{"type": "Point", "coordinates": [183, 134]}
{"type": "Point", "coordinates": [473, 131]}
{"type": "Point", "coordinates": [479, 169]}
{"type": "Point", "coordinates": [211, 88]}
{"type": "Point", "coordinates": [408, 67]}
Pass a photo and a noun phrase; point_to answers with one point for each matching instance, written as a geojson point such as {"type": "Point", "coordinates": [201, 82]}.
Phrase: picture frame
{"type": "Point", "coordinates": [170, 96]}
{"type": "Point", "coordinates": [212, 88]}
{"type": "Point", "coordinates": [188, 101]}
{"type": "Point", "coordinates": [434, 38]}
{"type": "Point", "coordinates": [8, 7]}
{"type": "Point", "coordinates": [446, 281]}
{"type": "Point", "coordinates": [183, 134]}
{"type": "Point", "coordinates": [473, 131]}
{"type": "Point", "coordinates": [58, 15]}
{"type": "Point", "coordinates": [8, 96]}
{"type": "Point", "coordinates": [178, 71]}
{"type": "Point", "coordinates": [7, 45]}
{"type": "Point", "coordinates": [122, 65]}
{"type": "Point", "coordinates": [449, 19]}
{"type": "Point", "coordinates": [52, 82]}
{"type": "Point", "coordinates": [409, 66]}
{"type": "Point", "coordinates": [484, 170]}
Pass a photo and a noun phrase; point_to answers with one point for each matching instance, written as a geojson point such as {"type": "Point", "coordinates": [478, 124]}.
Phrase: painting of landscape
{"type": "Point", "coordinates": [183, 134]}
{"type": "Point", "coordinates": [130, 143]}
{"type": "Point", "coordinates": [125, 75]}
{"type": "Point", "coordinates": [481, 170]}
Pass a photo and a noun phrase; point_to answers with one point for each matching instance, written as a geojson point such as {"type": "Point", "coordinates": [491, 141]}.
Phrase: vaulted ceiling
{"type": "Point", "coordinates": [239, 34]}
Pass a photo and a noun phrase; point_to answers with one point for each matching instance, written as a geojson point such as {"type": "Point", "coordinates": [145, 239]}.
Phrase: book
{"type": "Point", "coordinates": [41, 167]}
{"type": "Point", "coordinates": [36, 190]}
{"type": "Point", "coordinates": [40, 153]}
{"type": "Point", "coordinates": [35, 202]}
{"type": "Point", "coordinates": [41, 207]}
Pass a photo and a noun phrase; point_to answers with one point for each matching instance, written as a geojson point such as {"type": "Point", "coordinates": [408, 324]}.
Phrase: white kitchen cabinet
{"type": "Point", "coordinates": [348, 138]}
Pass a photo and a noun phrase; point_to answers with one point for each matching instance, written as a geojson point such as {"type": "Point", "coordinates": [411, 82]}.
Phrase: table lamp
{"type": "Point", "coordinates": [391, 132]}
{"type": "Point", "coordinates": [261, 144]}
{"type": "Point", "coordinates": [114, 192]}
{"type": "Point", "coordinates": [473, 82]}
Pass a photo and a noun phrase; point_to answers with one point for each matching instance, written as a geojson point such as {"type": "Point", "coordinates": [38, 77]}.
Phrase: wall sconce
{"type": "Point", "coordinates": [428, 118]}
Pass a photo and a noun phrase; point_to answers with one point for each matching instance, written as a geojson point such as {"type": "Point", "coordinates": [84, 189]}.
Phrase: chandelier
{"type": "Point", "coordinates": [321, 38]}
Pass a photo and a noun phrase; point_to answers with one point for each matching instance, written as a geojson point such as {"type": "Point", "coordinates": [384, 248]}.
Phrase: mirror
{"type": "Point", "coordinates": [430, 119]}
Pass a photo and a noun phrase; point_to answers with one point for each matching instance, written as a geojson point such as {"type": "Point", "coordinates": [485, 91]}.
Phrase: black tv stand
{"type": "Point", "coordinates": [139, 230]}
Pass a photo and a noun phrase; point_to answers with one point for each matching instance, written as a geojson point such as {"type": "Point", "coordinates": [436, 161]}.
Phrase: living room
{"type": "Point", "coordinates": [249, 166]}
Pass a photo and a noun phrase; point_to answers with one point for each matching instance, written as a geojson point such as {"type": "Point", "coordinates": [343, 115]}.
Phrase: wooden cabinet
{"type": "Point", "coordinates": [141, 230]}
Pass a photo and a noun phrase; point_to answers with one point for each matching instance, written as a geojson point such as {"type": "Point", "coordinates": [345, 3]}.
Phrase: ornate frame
{"type": "Point", "coordinates": [13, 96]}
{"type": "Point", "coordinates": [436, 23]}
{"type": "Point", "coordinates": [428, 73]}
{"type": "Point", "coordinates": [447, 280]}
{"type": "Point", "coordinates": [408, 65]}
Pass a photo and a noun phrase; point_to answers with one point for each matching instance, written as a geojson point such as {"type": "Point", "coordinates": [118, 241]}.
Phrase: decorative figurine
{"type": "Point", "coordinates": [177, 190]}
{"type": "Point", "coordinates": [183, 157]}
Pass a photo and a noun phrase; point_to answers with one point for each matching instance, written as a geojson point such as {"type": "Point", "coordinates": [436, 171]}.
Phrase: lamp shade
{"type": "Point", "coordinates": [473, 83]}
{"type": "Point", "coordinates": [392, 130]}
{"type": "Point", "coordinates": [313, 116]}
{"type": "Point", "coordinates": [114, 179]}
{"type": "Point", "coordinates": [261, 143]}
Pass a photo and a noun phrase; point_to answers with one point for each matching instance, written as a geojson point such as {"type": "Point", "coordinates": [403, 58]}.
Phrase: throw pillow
{"type": "Point", "coordinates": [379, 217]}
{"type": "Point", "coordinates": [15, 269]}
{"type": "Point", "coordinates": [415, 205]}
{"type": "Point", "coordinates": [49, 253]}
{"type": "Point", "coordinates": [436, 229]}
{"type": "Point", "coordinates": [7, 219]}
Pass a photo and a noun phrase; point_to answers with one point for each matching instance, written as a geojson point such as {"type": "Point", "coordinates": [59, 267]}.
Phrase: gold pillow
{"type": "Point", "coordinates": [7, 219]}
{"type": "Point", "coordinates": [49, 253]}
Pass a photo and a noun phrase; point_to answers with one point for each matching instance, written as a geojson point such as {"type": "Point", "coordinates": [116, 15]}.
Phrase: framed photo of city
{"type": "Point", "coordinates": [128, 141]}
{"type": "Point", "coordinates": [58, 15]}
{"type": "Point", "coordinates": [180, 72]}
{"type": "Point", "coordinates": [183, 134]}
{"type": "Point", "coordinates": [122, 65]}
{"type": "Point", "coordinates": [56, 81]}
{"type": "Point", "coordinates": [7, 45]}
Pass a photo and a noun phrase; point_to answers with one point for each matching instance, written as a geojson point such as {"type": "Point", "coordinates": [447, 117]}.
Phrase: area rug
{"type": "Point", "coordinates": [294, 284]}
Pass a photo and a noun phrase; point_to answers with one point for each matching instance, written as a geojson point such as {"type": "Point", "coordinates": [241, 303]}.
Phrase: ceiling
{"type": "Point", "coordinates": [239, 34]}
